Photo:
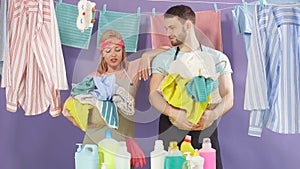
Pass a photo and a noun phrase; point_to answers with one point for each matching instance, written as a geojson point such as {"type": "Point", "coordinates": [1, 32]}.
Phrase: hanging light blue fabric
{"type": "Point", "coordinates": [127, 24]}
{"type": "Point", "coordinates": [69, 34]}
{"type": "Point", "coordinates": [3, 30]}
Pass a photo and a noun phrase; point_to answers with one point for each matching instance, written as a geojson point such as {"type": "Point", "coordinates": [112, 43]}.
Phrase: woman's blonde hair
{"type": "Point", "coordinates": [102, 67]}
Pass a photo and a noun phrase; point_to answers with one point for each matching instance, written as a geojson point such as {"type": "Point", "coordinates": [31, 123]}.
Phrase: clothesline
{"type": "Point", "coordinates": [207, 2]}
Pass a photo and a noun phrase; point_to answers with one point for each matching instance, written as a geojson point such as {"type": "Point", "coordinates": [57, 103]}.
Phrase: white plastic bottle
{"type": "Point", "coordinates": [107, 148]}
{"type": "Point", "coordinates": [122, 157]}
{"type": "Point", "coordinates": [197, 161]}
{"type": "Point", "coordinates": [157, 156]}
{"type": "Point", "coordinates": [209, 154]}
{"type": "Point", "coordinates": [87, 157]}
{"type": "Point", "coordinates": [187, 163]}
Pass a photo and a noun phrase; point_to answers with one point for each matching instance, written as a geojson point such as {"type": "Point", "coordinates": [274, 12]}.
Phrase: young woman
{"type": "Point", "coordinates": [127, 75]}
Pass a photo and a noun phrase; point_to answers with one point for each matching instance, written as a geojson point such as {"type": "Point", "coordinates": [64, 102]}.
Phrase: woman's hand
{"type": "Point", "coordinates": [146, 59]}
{"type": "Point", "coordinates": [144, 67]}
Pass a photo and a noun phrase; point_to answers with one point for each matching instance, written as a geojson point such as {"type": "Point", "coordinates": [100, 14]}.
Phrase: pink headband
{"type": "Point", "coordinates": [104, 44]}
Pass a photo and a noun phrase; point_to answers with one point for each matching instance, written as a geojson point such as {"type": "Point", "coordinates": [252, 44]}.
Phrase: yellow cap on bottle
{"type": "Point", "coordinates": [173, 145]}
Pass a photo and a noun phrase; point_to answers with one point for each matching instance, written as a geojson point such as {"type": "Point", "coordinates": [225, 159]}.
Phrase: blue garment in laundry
{"type": "Point", "coordinates": [86, 86]}
{"type": "Point", "coordinates": [110, 114]}
{"type": "Point", "coordinates": [199, 88]}
{"type": "Point", "coordinates": [106, 87]}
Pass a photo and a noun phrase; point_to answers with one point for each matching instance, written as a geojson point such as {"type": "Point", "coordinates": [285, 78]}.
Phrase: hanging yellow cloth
{"type": "Point", "coordinates": [174, 91]}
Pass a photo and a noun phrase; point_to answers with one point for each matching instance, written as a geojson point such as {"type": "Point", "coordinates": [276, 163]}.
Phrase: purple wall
{"type": "Point", "coordinates": [43, 142]}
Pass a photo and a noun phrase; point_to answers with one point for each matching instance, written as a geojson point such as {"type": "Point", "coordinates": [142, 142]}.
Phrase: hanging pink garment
{"type": "Point", "coordinates": [34, 68]}
{"type": "Point", "coordinates": [208, 30]}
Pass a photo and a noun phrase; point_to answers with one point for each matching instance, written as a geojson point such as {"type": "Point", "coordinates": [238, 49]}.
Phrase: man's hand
{"type": "Point", "coordinates": [178, 119]}
{"type": "Point", "coordinates": [207, 119]}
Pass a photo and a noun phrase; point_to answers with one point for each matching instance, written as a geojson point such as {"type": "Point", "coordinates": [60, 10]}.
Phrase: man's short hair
{"type": "Point", "coordinates": [182, 11]}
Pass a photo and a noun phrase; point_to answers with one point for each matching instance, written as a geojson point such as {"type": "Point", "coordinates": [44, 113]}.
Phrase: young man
{"type": "Point", "coordinates": [179, 22]}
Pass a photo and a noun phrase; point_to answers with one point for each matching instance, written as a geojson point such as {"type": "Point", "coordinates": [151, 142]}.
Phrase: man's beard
{"type": "Point", "coordinates": [176, 42]}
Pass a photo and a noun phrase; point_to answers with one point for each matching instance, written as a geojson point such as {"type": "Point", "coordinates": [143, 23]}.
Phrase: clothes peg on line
{"type": "Point", "coordinates": [245, 5]}
{"type": "Point", "coordinates": [216, 7]}
{"type": "Point", "coordinates": [104, 8]}
{"type": "Point", "coordinates": [138, 10]}
{"type": "Point", "coordinates": [153, 12]}
{"type": "Point", "coordinates": [262, 3]}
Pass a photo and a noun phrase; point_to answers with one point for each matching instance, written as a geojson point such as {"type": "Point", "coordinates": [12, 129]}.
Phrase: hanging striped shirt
{"type": "Point", "coordinates": [273, 75]}
{"type": "Point", "coordinates": [33, 70]}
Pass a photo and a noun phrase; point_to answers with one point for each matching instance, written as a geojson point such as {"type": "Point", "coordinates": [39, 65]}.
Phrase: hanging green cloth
{"type": "Point", "coordinates": [70, 35]}
{"type": "Point", "coordinates": [127, 24]}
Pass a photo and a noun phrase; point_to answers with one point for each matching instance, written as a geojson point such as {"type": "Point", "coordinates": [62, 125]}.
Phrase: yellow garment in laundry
{"type": "Point", "coordinates": [174, 91]}
{"type": "Point", "coordinates": [80, 112]}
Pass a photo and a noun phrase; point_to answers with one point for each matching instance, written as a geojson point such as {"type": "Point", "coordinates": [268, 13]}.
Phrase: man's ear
{"type": "Point", "coordinates": [188, 25]}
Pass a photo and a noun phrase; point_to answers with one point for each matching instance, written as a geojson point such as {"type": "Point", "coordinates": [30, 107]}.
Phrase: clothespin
{"type": "Point", "coordinates": [262, 3]}
{"type": "Point", "coordinates": [216, 7]}
{"type": "Point", "coordinates": [104, 8]}
{"type": "Point", "coordinates": [153, 12]}
{"type": "Point", "coordinates": [138, 10]}
{"type": "Point", "coordinates": [245, 5]}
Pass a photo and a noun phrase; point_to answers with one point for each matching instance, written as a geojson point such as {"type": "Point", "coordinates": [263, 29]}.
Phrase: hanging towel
{"type": "Point", "coordinates": [127, 24]}
{"type": "Point", "coordinates": [174, 91]}
{"type": "Point", "coordinates": [208, 34]}
{"type": "Point", "coordinates": [70, 35]}
{"type": "Point", "coordinates": [80, 112]}
{"type": "Point", "coordinates": [105, 87]}
{"type": "Point", "coordinates": [3, 30]}
{"type": "Point", "coordinates": [84, 87]}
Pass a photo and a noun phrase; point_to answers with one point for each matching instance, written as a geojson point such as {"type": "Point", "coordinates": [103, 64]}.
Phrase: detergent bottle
{"type": "Point", "coordinates": [209, 154]}
{"type": "Point", "coordinates": [87, 158]}
{"type": "Point", "coordinates": [186, 145]}
{"type": "Point", "coordinates": [174, 158]}
{"type": "Point", "coordinates": [122, 157]}
{"type": "Point", "coordinates": [107, 148]}
{"type": "Point", "coordinates": [197, 161]}
{"type": "Point", "coordinates": [187, 163]}
{"type": "Point", "coordinates": [157, 156]}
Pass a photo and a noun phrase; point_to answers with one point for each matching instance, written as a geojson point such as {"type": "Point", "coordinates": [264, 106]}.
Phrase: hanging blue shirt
{"type": "Point", "coordinates": [242, 19]}
{"type": "Point", "coordinates": [272, 92]}
{"type": "Point", "coordinates": [3, 30]}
